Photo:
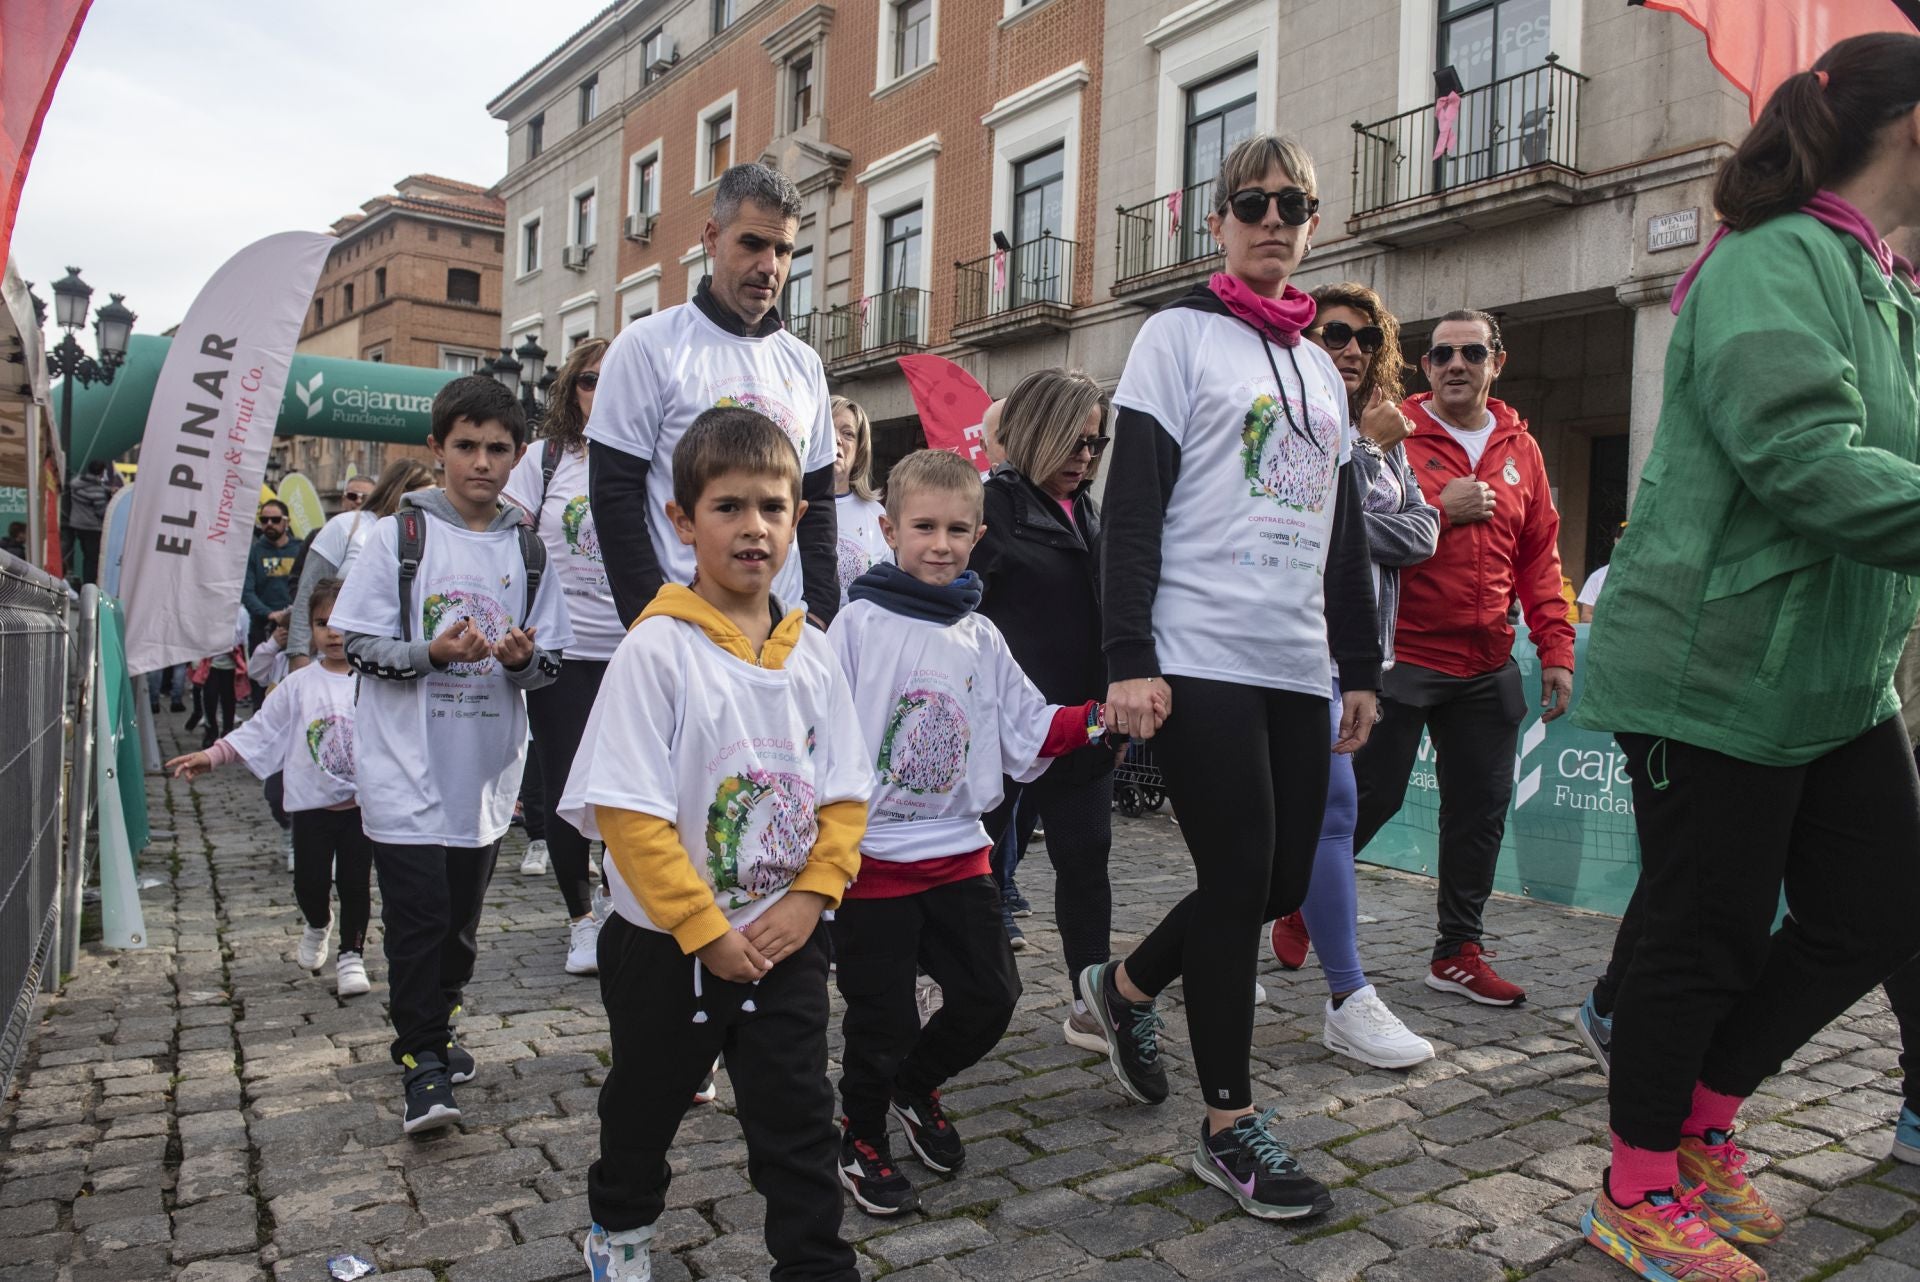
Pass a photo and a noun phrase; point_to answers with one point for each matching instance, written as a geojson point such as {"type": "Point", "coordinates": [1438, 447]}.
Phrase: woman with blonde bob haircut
{"type": "Point", "coordinates": [856, 506]}
{"type": "Point", "coordinates": [1038, 565]}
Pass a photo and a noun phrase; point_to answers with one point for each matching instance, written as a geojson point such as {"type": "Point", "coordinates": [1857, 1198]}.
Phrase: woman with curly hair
{"type": "Point", "coordinates": [1362, 336]}
{"type": "Point", "coordinates": [550, 484]}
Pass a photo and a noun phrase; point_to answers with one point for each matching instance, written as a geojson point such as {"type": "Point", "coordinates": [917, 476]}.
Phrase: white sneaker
{"type": "Point", "coordinates": [534, 862]}
{"type": "Point", "coordinates": [1259, 993]}
{"type": "Point", "coordinates": [1364, 1029]}
{"type": "Point", "coordinates": [707, 1091]}
{"type": "Point", "coordinates": [583, 947]}
{"type": "Point", "coordinates": [350, 975]}
{"type": "Point", "coordinates": [313, 945]}
{"type": "Point", "coordinates": [626, 1256]}
{"type": "Point", "coordinates": [286, 844]}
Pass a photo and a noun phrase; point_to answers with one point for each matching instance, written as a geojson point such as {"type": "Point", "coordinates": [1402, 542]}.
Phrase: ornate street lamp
{"type": "Point", "coordinates": [113, 328]}
{"type": "Point", "coordinates": [531, 357]}
{"type": "Point", "coordinates": [505, 370]}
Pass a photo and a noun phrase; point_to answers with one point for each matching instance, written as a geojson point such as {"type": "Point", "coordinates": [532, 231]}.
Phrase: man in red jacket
{"type": "Point", "coordinates": [1454, 673]}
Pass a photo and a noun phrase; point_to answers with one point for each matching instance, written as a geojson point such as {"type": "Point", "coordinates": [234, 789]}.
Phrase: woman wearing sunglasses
{"type": "Point", "coordinates": [1363, 338]}
{"type": "Point", "coordinates": [1236, 559]}
{"type": "Point", "coordinates": [550, 483]}
{"type": "Point", "coordinates": [332, 552]}
{"type": "Point", "coordinates": [1756, 611]}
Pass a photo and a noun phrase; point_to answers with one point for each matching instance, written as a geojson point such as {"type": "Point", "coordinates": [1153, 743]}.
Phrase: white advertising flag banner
{"type": "Point", "coordinates": [204, 454]}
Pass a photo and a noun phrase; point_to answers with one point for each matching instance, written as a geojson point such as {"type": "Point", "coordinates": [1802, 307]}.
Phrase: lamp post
{"type": "Point", "coordinates": [532, 386]}
{"type": "Point", "coordinates": [113, 326]}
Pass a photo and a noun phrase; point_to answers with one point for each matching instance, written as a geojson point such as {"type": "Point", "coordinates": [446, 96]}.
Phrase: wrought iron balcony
{"type": "Point", "coordinates": [1165, 241]}
{"type": "Point", "coordinates": [875, 328]}
{"type": "Point", "coordinates": [1012, 293]}
{"type": "Point", "coordinates": [1525, 122]}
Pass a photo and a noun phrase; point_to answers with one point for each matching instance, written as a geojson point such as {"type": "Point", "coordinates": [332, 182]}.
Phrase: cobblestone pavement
{"type": "Point", "coordinates": [204, 1111]}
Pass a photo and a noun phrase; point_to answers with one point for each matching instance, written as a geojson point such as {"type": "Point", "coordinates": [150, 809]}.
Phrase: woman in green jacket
{"type": "Point", "coordinates": [1756, 609]}
{"type": "Point", "coordinates": [1755, 613]}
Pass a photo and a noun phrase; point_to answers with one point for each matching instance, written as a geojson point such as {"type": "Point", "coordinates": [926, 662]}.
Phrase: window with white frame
{"type": "Point", "coordinates": [580, 228]}
{"type": "Point", "coordinates": [639, 295]}
{"type": "Point", "coordinates": [799, 91]}
{"type": "Point", "coordinates": [715, 143]}
{"type": "Point", "coordinates": [724, 12]}
{"type": "Point", "coordinates": [589, 98]}
{"type": "Point", "coordinates": [901, 241]}
{"type": "Point", "coordinates": [459, 360]}
{"type": "Point", "coordinates": [1036, 177]}
{"type": "Point", "coordinates": [529, 244]}
{"type": "Point", "coordinates": [912, 35]}
{"type": "Point", "coordinates": [536, 135]}
{"type": "Point", "coordinates": [1489, 40]}
{"type": "Point", "coordinates": [798, 300]}
{"type": "Point", "coordinates": [644, 197]}
{"type": "Point", "coordinates": [897, 185]}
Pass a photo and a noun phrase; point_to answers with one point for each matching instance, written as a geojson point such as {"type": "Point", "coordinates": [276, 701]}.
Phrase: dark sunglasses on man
{"type": "Point", "coordinates": [353, 498]}
{"type": "Point", "coordinates": [1474, 353]}
{"type": "Point", "coordinates": [1250, 205]}
{"type": "Point", "coordinates": [1335, 335]}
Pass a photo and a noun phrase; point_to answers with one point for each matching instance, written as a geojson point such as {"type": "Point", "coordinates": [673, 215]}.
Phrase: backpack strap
{"type": "Point", "coordinates": [534, 554]}
{"type": "Point", "coordinates": [549, 464]}
{"type": "Point", "coordinates": [411, 543]}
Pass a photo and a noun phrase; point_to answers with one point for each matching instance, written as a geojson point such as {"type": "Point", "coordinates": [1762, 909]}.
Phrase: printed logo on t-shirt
{"type": "Point", "coordinates": [330, 744]}
{"type": "Point", "coordinates": [753, 394]}
{"type": "Point", "coordinates": [760, 829]}
{"type": "Point", "coordinates": [926, 743]}
{"type": "Point", "coordinates": [854, 562]}
{"type": "Point", "coordinates": [576, 522]}
{"type": "Point", "coordinates": [442, 610]}
{"type": "Point", "coordinates": [1289, 459]}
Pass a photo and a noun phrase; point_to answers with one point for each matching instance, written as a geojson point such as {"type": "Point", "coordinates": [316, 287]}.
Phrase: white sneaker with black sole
{"type": "Point", "coordinates": [534, 862]}
{"type": "Point", "coordinates": [313, 945]}
{"type": "Point", "coordinates": [1362, 1028]}
{"type": "Point", "coordinates": [583, 947]}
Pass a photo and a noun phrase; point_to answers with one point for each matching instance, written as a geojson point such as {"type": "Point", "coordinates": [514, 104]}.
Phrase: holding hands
{"type": "Point", "coordinates": [1137, 707]}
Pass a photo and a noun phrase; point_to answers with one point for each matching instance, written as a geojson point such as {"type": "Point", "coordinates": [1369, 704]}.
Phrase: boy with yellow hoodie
{"type": "Point", "coordinates": [724, 769]}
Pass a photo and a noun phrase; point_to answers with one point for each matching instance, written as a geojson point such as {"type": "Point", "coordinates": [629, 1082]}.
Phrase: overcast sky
{"type": "Point", "coordinates": [186, 129]}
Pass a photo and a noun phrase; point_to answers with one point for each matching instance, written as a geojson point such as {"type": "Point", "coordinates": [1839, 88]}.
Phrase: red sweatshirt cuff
{"type": "Point", "coordinates": [1068, 733]}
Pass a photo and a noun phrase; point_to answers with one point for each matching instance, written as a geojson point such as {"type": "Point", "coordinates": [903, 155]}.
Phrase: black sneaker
{"type": "Point", "coordinates": [1017, 904]}
{"type": "Point", "coordinates": [1254, 1169]}
{"type": "Point", "coordinates": [429, 1094]}
{"type": "Point", "coordinates": [1132, 1031]}
{"type": "Point", "coordinates": [929, 1132]}
{"type": "Point", "coordinates": [460, 1065]}
{"type": "Point", "coordinates": [868, 1172]}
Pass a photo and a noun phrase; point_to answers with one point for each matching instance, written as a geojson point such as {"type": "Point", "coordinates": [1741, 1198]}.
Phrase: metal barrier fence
{"type": "Point", "coordinates": [36, 656]}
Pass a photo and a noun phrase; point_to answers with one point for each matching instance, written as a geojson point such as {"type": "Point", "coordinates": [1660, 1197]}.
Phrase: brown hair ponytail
{"type": "Point", "coordinates": [1819, 128]}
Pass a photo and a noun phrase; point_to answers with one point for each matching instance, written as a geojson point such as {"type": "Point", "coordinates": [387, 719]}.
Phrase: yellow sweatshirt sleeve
{"type": "Point", "coordinates": [656, 867]}
{"type": "Point", "coordinates": [835, 859]}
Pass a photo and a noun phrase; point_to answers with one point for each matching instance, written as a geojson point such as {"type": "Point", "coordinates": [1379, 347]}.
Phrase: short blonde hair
{"type": "Point", "coordinates": [1040, 426]}
{"type": "Point", "coordinates": [860, 469]}
{"type": "Point", "coordinates": [934, 470]}
{"type": "Point", "coordinates": [1247, 164]}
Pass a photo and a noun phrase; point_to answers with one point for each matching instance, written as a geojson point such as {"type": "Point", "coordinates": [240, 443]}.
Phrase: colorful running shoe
{"type": "Point", "coordinates": [1666, 1239]}
{"type": "Point", "coordinates": [1596, 1030]}
{"type": "Point", "coordinates": [1249, 1165]}
{"type": "Point", "coordinates": [1906, 1139]}
{"type": "Point", "coordinates": [1735, 1209]}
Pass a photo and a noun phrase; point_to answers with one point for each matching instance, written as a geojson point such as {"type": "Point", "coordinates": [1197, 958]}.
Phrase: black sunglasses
{"type": "Point", "coordinates": [1475, 353]}
{"type": "Point", "coordinates": [1249, 205]}
{"type": "Point", "coordinates": [273, 520]}
{"type": "Point", "coordinates": [1335, 335]}
{"type": "Point", "coordinates": [1093, 445]}
{"type": "Point", "coordinates": [353, 496]}
{"type": "Point", "coordinates": [588, 380]}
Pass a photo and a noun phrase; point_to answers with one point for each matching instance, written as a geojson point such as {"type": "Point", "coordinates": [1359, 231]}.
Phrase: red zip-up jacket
{"type": "Point", "coordinates": [1453, 605]}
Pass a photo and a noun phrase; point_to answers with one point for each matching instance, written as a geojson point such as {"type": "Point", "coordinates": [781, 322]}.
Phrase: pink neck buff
{"type": "Point", "coordinates": [1282, 319]}
{"type": "Point", "coordinates": [1836, 212]}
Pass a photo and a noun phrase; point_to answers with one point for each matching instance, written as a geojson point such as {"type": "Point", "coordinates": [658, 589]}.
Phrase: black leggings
{"type": "Point", "coordinates": [1079, 822]}
{"type": "Point", "coordinates": [275, 786]}
{"type": "Point", "coordinates": [1246, 770]}
{"type": "Point", "coordinates": [1712, 993]}
{"type": "Point", "coordinates": [558, 713]}
{"type": "Point", "coordinates": [218, 694]}
{"type": "Point", "coordinates": [329, 850]}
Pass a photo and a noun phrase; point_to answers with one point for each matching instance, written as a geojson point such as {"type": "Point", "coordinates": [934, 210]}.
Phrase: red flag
{"type": "Point", "coordinates": [36, 36]}
{"type": "Point", "coordinates": [951, 403]}
{"type": "Point", "coordinates": [1759, 43]}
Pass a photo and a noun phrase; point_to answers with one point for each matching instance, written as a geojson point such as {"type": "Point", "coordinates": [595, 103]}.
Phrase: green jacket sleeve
{"type": "Point", "coordinates": [1775, 346]}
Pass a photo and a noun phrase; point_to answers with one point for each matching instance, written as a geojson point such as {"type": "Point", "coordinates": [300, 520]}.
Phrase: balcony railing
{"type": "Point", "coordinates": [1165, 233]}
{"type": "Point", "coordinates": [808, 327]}
{"type": "Point", "coordinates": [879, 324]}
{"type": "Point", "coordinates": [1036, 273]}
{"type": "Point", "coordinates": [1521, 122]}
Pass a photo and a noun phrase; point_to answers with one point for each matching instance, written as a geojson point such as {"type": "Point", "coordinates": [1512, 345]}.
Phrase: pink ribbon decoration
{"type": "Point", "coordinates": [1173, 212]}
{"type": "Point", "coordinates": [999, 270]}
{"type": "Point", "coordinates": [1446, 118]}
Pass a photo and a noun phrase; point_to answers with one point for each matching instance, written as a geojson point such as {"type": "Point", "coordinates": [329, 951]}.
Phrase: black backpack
{"type": "Point", "coordinates": [549, 464]}
{"type": "Point", "coordinates": [413, 542]}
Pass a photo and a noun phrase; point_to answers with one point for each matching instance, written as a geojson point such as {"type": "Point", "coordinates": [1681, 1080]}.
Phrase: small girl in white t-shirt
{"type": "Point", "coordinates": [304, 731]}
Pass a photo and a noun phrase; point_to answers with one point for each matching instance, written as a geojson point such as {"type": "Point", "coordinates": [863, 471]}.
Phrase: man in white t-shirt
{"type": "Point", "coordinates": [726, 346]}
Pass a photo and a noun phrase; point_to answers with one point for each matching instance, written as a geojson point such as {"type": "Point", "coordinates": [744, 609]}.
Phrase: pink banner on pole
{"type": "Point", "coordinates": [951, 404]}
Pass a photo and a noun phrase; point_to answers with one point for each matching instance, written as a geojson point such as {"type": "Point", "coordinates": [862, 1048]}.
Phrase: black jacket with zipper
{"type": "Point", "coordinates": [1041, 582]}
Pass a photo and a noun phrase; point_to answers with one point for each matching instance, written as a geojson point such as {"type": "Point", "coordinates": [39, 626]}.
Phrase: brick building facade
{"type": "Point", "coordinates": [415, 280]}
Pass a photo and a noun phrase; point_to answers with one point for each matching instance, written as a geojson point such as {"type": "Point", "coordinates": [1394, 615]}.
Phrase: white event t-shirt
{"type": "Point", "coordinates": [341, 539]}
{"type": "Point", "coordinates": [739, 758]}
{"type": "Point", "coordinates": [947, 712]}
{"type": "Point", "coordinates": [304, 731]}
{"type": "Point", "coordinates": [573, 547]}
{"type": "Point", "coordinates": [1590, 590]}
{"type": "Point", "coordinates": [1474, 443]}
{"type": "Point", "coordinates": [663, 371]}
{"type": "Point", "coordinates": [440, 756]}
{"type": "Point", "coordinates": [1244, 546]}
{"type": "Point", "coordinates": [862, 544]}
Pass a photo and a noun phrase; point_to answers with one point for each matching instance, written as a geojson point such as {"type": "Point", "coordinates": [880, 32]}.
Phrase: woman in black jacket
{"type": "Point", "coordinates": [1038, 567]}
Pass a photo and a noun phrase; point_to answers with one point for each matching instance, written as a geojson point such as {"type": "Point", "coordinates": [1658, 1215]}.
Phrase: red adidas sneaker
{"type": "Point", "coordinates": [1467, 973]}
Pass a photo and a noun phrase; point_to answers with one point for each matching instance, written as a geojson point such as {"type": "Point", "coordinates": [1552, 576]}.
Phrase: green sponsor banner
{"type": "Point", "coordinates": [325, 396]}
{"type": "Point", "coordinates": [117, 683]}
{"type": "Point", "coordinates": [1570, 837]}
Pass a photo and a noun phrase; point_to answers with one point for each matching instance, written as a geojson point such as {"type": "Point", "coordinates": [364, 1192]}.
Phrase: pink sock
{"type": "Point", "coordinates": [1712, 1111]}
{"type": "Point", "coordinates": [1640, 1171]}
